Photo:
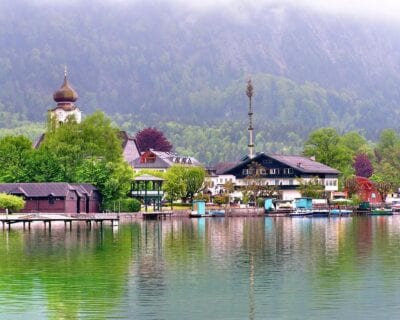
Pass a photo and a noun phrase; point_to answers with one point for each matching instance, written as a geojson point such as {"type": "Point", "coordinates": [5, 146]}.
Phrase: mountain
{"type": "Point", "coordinates": [157, 61]}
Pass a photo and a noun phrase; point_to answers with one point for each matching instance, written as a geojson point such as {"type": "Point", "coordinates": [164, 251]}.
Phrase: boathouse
{"type": "Point", "coordinates": [55, 197]}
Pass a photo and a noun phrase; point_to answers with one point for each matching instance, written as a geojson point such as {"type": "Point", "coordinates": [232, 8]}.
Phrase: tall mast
{"type": "Point", "coordinates": [249, 93]}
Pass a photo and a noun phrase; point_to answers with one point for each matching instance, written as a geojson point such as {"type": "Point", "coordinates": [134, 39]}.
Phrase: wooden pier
{"type": "Point", "coordinates": [26, 221]}
{"type": "Point", "coordinates": [156, 215]}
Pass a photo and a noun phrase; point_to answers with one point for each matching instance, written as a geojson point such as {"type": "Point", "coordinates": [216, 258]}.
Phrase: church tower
{"type": "Point", "coordinates": [65, 98]}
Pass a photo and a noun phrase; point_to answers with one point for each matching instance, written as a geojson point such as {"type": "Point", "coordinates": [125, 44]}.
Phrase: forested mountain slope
{"type": "Point", "coordinates": [159, 61]}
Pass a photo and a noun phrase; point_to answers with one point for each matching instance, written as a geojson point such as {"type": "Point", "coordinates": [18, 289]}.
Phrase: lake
{"type": "Point", "coordinates": [208, 268]}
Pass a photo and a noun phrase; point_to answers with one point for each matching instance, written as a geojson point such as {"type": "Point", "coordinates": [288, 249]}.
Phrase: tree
{"type": "Point", "coordinates": [113, 179]}
{"type": "Point", "coordinates": [194, 179]}
{"type": "Point", "coordinates": [255, 185]}
{"type": "Point", "coordinates": [351, 186]}
{"type": "Point", "coordinates": [88, 152]}
{"type": "Point", "coordinates": [43, 166]}
{"type": "Point", "coordinates": [229, 186]}
{"type": "Point", "coordinates": [311, 188]}
{"type": "Point", "coordinates": [14, 154]}
{"type": "Point", "coordinates": [183, 182]}
{"type": "Point", "coordinates": [174, 185]}
{"type": "Point", "coordinates": [363, 166]}
{"type": "Point", "coordinates": [10, 202]}
{"type": "Point", "coordinates": [326, 146]}
{"type": "Point", "coordinates": [151, 138]}
{"type": "Point", "coordinates": [383, 188]}
{"type": "Point", "coordinates": [355, 142]}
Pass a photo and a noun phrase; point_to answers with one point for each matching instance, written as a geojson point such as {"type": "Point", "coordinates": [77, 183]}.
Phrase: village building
{"type": "Point", "coordinates": [284, 173]}
{"type": "Point", "coordinates": [161, 161]}
{"type": "Point", "coordinates": [55, 197]}
{"type": "Point", "coordinates": [216, 180]}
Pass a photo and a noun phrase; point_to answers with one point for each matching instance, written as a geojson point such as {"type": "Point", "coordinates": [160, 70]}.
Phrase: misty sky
{"type": "Point", "coordinates": [372, 8]}
{"type": "Point", "coordinates": [359, 8]}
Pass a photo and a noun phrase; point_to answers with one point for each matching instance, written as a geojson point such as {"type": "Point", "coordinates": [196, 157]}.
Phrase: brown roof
{"type": "Point", "coordinates": [221, 167]}
{"type": "Point", "coordinates": [56, 189]}
{"type": "Point", "coordinates": [300, 163]}
{"type": "Point", "coordinates": [304, 164]}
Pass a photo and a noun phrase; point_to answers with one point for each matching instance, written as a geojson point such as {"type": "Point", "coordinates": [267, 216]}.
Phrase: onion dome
{"type": "Point", "coordinates": [66, 93]}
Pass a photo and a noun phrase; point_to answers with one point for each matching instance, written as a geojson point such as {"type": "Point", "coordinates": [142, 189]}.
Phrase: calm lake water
{"type": "Point", "coordinates": [213, 268]}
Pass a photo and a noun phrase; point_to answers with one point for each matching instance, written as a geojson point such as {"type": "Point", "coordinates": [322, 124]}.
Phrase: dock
{"type": "Point", "coordinates": [156, 215]}
{"type": "Point", "coordinates": [27, 220]}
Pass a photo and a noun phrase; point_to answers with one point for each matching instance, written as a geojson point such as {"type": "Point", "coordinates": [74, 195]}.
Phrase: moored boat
{"type": "Point", "coordinates": [302, 207]}
{"type": "Point", "coordinates": [216, 213]}
{"type": "Point", "coordinates": [381, 212]}
{"type": "Point", "coordinates": [320, 213]}
{"type": "Point", "coordinates": [340, 212]}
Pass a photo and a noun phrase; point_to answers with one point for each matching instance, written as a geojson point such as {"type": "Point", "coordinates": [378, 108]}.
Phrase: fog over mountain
{"type": "Point", "coordinates": [312, 65]}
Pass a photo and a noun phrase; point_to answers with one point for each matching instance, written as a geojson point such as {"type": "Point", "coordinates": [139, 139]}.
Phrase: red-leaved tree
{"type": "Point", "coordinates": [362, 165]}
{"type": "Point", "coordinates": [151, 138]}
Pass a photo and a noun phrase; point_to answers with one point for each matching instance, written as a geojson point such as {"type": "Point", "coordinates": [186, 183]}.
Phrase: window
{"type": "Point", "coordinates": [291, 182]}
{"type": "Point", "coordinates": [263, 171]}
{"type": "Point", "coordinates": [288, 171]}
{"type": "Point", "coordinates": [245, 172]}
{"type": "Point", "coordinates": [273, 171]}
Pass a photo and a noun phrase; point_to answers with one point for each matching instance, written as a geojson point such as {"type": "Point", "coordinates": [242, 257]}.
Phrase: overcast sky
{"type": "Point", "coordinates": [389, 8]}
{"type": "Point", "coordinates": [370, 8]}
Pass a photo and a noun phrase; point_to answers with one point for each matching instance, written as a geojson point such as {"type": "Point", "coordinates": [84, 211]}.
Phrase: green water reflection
{"type": "Point", "coordinates": [241, 268]}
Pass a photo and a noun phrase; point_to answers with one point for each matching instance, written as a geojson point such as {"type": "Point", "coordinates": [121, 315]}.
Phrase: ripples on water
{"type": "Point", "coordinates": [237, 268]}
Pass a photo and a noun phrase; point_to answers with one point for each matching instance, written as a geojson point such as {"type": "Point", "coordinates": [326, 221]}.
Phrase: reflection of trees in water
{"type": "Point", "coordinates": [150, 273]}
{"type": "Point", "coordinates": [91, 272]}
{"type": "Point", "coordinates": [80, 271]}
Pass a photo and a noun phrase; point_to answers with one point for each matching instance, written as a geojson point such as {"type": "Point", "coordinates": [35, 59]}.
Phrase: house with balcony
{"type": "Point", "coordinates": [283, 172]}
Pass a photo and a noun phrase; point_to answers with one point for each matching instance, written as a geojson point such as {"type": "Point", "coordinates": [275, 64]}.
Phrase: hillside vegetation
{"type": "Point", "coordinates": [184, 71]}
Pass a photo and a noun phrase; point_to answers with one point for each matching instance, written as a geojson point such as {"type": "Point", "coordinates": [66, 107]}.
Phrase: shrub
{"type": "Point", "coordinates": [10, 202]}
{"type": "Point", "coordinates": [130, 205]}
{"type": "Point", "coordinates": [123, 205]}
{"type": "Point", "coordinates": [221, 199]}
{"type": "Point", "coordinates": [260, 202]}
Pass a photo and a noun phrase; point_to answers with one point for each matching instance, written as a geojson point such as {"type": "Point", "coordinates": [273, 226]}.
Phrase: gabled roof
{"type": "Point", "coordinates": [126, 138]}
{"type": "Point", "coordinates": [163, 160]}
{"type": "Point", "coordinates": [222, 167]}
{"type": "Point", "coordinates": [304, 164]}
{"type": "Point", "coordinates": [300, 163]}
{"type": "Point", "coordinates": [45, 189]}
